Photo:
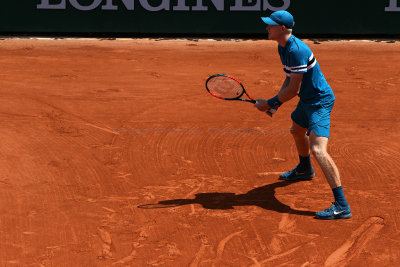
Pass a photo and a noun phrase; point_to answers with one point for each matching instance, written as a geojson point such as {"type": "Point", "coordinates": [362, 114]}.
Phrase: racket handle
{"type": "Point", "coordinates": [270, 112]}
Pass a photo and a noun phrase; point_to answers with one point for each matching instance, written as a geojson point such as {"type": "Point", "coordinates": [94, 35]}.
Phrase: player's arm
{"type": "Point", "coordinates": [290, 88]}
{"type": "Point", "coordinates": [262, 104]}
{"type": "Point", "coordinates": [285, 84]}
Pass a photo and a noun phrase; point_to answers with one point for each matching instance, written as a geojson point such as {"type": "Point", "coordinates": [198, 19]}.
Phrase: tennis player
{"type": "Point", "coordinates": [311, 118]}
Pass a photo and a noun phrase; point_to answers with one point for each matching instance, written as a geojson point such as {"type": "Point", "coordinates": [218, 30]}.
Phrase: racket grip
{"type": "Point", "coordinates": [270, 112]}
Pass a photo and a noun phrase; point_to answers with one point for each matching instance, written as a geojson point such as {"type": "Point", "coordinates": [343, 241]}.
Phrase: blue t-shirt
{"type": "Point", "coordinates": [297, 57]}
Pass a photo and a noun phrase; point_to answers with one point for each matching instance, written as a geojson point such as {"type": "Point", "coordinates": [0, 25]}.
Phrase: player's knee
{"type": "Point", "coordinates": [318, 151]}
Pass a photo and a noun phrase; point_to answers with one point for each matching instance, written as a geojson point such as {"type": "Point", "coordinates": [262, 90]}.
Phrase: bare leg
{"type": "Point", "coordinates": [340, 209]}
{"type": "Point", "coordinates": [301, 139]}
{"type": "Point", "coordinates": [304, 170]}
{"type": "Point", "coordinates": [318, 145]}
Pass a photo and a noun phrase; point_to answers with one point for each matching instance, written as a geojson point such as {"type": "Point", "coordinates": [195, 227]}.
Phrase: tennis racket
{"type": "Point", "coordinates": [226, 87]}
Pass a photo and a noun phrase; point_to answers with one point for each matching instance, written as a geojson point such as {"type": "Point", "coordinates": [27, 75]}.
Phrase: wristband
{"type": "Point", "coordinates": [273, 102]}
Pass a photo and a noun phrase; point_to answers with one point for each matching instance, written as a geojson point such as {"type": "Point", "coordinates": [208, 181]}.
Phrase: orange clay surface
{"type": "Point", "coordinates": [92, 131]}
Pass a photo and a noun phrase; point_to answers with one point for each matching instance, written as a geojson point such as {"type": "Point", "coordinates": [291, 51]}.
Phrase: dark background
{"type": "Point", "coordinates": [312, 17]}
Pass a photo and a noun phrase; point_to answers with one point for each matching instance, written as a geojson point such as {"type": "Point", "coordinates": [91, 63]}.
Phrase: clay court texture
{"type": "Point", "coordinates": [113, 154]}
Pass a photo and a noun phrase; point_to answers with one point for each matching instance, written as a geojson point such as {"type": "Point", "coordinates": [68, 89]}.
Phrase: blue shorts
{"type": "Point", "coordinates": [314, 117]}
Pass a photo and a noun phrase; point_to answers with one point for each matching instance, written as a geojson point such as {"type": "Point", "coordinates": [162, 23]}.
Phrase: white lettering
{"type": "Point", "coordinates": [181, 5]}
{"type": "Point", "coordinates": [78, 6]}
{"type": "Point", "coordinates": [46, 5]}
{"type": "Point", "coordinates": [219, 5]}
{"type": "Point", "coordinates": [393, 6]}
{"type": "Point", "coordinates": [250, 6]}
{"type": "Point", "coordinates": [129, 4]}
{"type": "Point", "coordinates": [284, 6]}
{"type": "Point", "coordinates": [163, 6]}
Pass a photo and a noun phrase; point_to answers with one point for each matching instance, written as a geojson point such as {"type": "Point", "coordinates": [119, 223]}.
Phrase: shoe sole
{"type": "Point", "coordinates": [333, 217]}
{"type": "Point", "coordinates": [299, 177]}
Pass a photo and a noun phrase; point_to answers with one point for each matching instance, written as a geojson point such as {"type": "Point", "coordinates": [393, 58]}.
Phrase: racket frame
{"type": "Point", "coordinates": [251, 100]}
{"type": "Point", "coordinates": [270, 112]}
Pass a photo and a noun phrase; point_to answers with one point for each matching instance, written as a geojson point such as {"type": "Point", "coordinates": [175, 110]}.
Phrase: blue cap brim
{"type": "Point", "coordinates": [269, 21]}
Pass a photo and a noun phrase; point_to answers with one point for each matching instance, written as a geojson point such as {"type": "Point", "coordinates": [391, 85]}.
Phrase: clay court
{"type": "Point", "coordinates": [113, 154]}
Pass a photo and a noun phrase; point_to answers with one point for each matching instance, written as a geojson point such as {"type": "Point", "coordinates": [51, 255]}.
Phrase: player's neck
{"type": "Point", "coordinates": [282, 42]}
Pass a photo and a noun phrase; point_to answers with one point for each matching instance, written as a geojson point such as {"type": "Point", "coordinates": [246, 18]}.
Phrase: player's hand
{"type": "Point", "coordinates": [262, 105]}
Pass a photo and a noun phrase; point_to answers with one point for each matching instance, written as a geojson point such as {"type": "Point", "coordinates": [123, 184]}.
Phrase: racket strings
{"type": "Point", "coordinates": [224, 87]}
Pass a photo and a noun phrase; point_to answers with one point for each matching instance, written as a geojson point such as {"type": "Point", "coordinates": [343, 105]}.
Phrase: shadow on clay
{"type": "Point", "coordinates": [263, 197]}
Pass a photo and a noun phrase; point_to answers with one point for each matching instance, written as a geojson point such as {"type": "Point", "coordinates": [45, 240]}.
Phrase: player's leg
{"type": "Point", "coordinates": [340, 209]}
{"type": "Point", "coordinates": [304, 170]}
{"type": "Point", "coordinates": [301, 139]}
{"type": "Point", "coordinates": [318, 146]}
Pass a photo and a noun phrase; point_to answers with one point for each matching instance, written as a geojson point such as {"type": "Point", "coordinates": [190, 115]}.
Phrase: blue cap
{"type": "Point", "coordinates": [280, 18]}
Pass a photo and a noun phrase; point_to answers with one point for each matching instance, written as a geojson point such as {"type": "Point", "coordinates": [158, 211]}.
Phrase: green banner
{"type": "Point", "coordinates": [197, 16]}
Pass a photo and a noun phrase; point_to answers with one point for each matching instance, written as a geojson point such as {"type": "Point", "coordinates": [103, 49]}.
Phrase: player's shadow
{"type": "Point", "coordinates": [263, 197]}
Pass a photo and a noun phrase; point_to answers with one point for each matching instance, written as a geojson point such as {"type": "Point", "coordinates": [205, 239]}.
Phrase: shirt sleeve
{"type": "Point", "coordinates": [298, 61]}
